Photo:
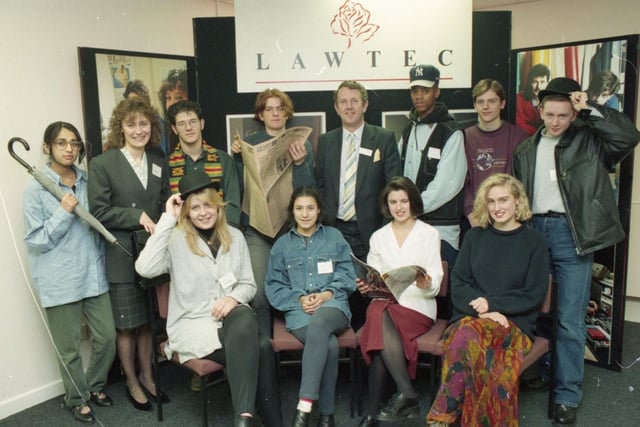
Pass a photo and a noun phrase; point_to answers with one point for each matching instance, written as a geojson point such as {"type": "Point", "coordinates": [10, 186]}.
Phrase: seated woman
{"type": "Point", "coordinates": [309, 278]}
{"type": "Point", "coordinates": [211, 286]}
{"type": "Point", "coordinates": [497, 288]}
{"type": "Point", "coordinates": [388, 336]}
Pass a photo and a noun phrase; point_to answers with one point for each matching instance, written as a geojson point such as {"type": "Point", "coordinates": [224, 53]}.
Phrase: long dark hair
{"type": "Point", "coordinates": [305, 191]}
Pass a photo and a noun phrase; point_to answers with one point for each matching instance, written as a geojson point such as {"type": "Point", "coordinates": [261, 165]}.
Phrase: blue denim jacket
{"type": "Point", "coordinates": [66, 257]}
{"type": "Point", "coordinates": [293, 272]}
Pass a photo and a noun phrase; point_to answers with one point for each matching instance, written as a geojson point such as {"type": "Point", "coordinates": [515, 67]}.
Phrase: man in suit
{"type": "Point", "coordinates": [353, 164]}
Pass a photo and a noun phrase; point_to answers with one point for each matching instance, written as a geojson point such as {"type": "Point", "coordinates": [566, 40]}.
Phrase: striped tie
{"type": "Point", "coordinates": [351, 166]}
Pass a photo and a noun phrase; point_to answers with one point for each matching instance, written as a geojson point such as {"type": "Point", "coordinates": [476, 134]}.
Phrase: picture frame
{"type": "Point", "coordinates": [596, 64]}
{"type": "Point", "coordinates": [104, 75]}
{"type": "Point", "coordinates": [245, 125]}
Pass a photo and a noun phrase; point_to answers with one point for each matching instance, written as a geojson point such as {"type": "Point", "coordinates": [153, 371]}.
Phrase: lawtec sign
{"type": "Point", "coordinates": [309, 45]}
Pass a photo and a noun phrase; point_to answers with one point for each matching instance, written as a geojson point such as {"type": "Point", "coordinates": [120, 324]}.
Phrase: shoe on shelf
{"type": "Point", "coordinates": [83, 417]}
{"type": "Point", "coordinates": [368, 421]}
{"type": "Point", "coordinates": [163, 397]}
{"type": "Point", "coordinates": [140, 406]}
{"type": "Point", "coordinates": [326, 421]}
{"type": "Point", "coordinates": [101, 398]}
{"type": "Point", "coordinates": [398, 407]}
{"type": "Point", "coordinates": [301, 419]}
{"type": "Point", "coordinates": [564, 415]}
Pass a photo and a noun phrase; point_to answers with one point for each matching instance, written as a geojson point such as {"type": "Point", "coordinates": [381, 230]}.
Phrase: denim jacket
{"type": "Point", "coordinates": [299, 266]}
{"type": "Point", "coordinates": [66, 257]}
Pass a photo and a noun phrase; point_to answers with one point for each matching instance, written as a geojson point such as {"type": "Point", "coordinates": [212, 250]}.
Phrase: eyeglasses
{"type": "Point", "coordinates": [62, 144]}
{"type": "Point", "coordinates": [490, 102]}
{"type": "Point", "coordinates": [192, 123]}
{"type": "Point", "coordinates": [279, 109]}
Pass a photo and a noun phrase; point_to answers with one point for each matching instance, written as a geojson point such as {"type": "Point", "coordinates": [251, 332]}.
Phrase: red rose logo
{"type": "Point", "coordinates": [352, 21]}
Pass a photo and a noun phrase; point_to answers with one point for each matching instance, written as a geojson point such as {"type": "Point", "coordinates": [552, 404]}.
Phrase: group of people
{"type": "Point", "coordinates": [390, 203]}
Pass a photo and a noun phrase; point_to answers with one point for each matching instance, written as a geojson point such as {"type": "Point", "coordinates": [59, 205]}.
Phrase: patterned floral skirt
{"type": "Point", "coordinates": [480, 370]}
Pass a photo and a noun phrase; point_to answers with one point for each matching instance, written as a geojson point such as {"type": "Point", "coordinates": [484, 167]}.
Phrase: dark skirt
{"type": "Point", "coordinates": [409, 323]}
{"type": "Point", "coordinates": [130, 304]}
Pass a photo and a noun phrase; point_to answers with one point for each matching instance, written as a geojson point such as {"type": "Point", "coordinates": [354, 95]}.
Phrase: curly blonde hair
{"type": "Point", "coordinates": [125, 109]}
{"type": "Point", "coordinates": [480, 209]}
{"type": "Point", "coordinates": [220, 228]}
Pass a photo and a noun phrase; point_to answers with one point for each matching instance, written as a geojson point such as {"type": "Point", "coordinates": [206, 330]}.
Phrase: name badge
{"type": "Point", "coordinates": [365, 151]}
{"type": "Point", "coordinates": [433, 153]}
{"type": "Point", "coordinates": [552, 175]}
{"type": "Point", "coordinates": [227, 280]}
{"type": "Point", "coordinates": [156, 170]}
{"type": "Point", "coordinates": [325, 267]}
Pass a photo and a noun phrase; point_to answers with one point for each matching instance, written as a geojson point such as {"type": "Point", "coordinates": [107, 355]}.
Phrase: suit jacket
{"type": "Point", "coordinates": [373, 173]}
{"type": "Point", "coordinates": [117, 199]}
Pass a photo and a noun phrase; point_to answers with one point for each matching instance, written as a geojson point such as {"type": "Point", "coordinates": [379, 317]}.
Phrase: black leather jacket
{"type": "Point", "coordinates": [585, 154]}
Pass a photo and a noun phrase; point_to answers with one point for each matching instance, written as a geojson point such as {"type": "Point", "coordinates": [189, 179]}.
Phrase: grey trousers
{"type": "Point", "coordinates": [64, 323]}
{"type": "Point", "coordinates": [320, 356]}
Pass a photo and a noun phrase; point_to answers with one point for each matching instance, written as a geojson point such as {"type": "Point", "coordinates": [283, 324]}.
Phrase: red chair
{"type": "Point", "coordinates": [201, 367]}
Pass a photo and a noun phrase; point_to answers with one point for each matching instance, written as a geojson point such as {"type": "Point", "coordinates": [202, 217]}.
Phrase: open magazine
{"type": "Point", "coordinates": [389, 285]}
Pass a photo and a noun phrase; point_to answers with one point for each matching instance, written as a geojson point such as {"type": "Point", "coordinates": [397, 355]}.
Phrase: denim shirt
{"type": "Point", "coordinates": [66, 257]}
{"type": "Point", "coordinates": [301, 266]}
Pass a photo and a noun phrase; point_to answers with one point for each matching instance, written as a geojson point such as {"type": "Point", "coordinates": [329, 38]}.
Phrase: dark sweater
{"type": "Point", "coordinates": [510, 269]}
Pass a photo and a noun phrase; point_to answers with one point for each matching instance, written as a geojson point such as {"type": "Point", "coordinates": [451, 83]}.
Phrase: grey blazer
{"type": "Point", "coordinates": [118, 199]}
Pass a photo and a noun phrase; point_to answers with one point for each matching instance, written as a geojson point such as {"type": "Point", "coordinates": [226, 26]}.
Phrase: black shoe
{"type": "Point", "coordinates": [368, 421]}
{"type": "Point", "coordinates": [244, 421]}
{"type": "Point", "coordinates": [87, 418]}
{"type": "Point", "coordinates": [537, 383]}
{"type": "Point", "coordinates": [152, 397]}
{"type": "Point", "coordinates": [301, 419]}
{"type": "Point", "coordinates": [398, 407]}
{"type": "Point", "coordinates": [564, 415]}
{"type": "Point", "coordinates": [326, 421]}
{"type": "Point", "coordinates": [146, 406]}
{"type": "Point", "coordinates": [101, 401]}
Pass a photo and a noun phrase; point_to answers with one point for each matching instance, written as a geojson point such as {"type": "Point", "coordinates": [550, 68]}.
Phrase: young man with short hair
{"type": "Point", "coordinates": [565, 170]}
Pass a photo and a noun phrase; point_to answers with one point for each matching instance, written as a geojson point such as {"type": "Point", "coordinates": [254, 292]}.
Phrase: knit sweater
{"type": "Point", "coordinates": [510, 269]}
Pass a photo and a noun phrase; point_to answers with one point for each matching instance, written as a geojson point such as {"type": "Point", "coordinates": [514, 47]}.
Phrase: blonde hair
{"type": "Point", "coordinates": [480, 209]}
{"type": "Point", "coordinates": [220, 229]}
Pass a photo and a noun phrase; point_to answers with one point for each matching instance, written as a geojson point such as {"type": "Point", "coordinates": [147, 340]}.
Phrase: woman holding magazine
{"type": "Point", "coordinates": [388, 336]}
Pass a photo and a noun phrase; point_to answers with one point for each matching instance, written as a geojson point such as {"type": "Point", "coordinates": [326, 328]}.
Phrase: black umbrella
{"type": "Point", "coordinates": [54, 189]}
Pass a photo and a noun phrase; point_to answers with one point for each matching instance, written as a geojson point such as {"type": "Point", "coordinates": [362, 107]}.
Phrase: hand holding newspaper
{"type": "Point", "coordinates": [268, 179]}
{"type": "Point", "coordinates": [389, 285]}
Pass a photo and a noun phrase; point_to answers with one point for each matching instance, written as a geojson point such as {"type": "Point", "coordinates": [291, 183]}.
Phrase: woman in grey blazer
{"type": "Point", "coordinates": [127, 190]}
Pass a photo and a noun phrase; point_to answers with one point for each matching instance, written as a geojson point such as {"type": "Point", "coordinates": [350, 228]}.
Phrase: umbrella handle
{"type": "Point", "coordinates": [25, 144]}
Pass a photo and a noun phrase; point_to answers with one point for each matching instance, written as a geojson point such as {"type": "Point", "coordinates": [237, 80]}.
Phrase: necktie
{"type": "Point", "coordinates": [351, 166]}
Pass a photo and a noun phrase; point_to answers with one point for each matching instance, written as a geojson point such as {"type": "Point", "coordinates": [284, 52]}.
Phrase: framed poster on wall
{"type": "Point", "coordinates": [606, 70]}
{"type": "Point", "coordinates": [106, 76]}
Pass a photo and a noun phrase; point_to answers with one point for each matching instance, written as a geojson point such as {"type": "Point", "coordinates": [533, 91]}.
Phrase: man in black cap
{"type": "Point", "coordinates": [432, 156]}
{"type": "Point", "coordinates": [565, 171]}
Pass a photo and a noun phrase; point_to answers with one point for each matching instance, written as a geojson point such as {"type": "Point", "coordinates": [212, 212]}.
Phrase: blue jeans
{"type": "Point", "coordinates": [572, 273]}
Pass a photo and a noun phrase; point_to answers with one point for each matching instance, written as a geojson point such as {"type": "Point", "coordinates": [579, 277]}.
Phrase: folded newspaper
{"type": "Point", "coordinates": [389, 285]}
{"type": "Point", "coordinates": [268, 179]}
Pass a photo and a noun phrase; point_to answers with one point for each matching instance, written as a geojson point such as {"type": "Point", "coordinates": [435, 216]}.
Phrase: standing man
{"type": "Point", "coordinates": [490, 143]}
{"type": "Point", "coordinates": [432, 156]}
{"type": "Point", "coordinates": [527, 114]}
{"type": "Point", "coordinates": [193, 153]}
{"type": "Point", "coordinates": [353, 164]}
{"type": "Point", "coordinates": [565, 171]}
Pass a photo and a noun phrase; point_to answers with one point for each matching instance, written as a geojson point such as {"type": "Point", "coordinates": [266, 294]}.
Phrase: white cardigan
{"type": "Point", "coordinates": [422, 247]}
{"type": "Point", "coordinates": [195, 285]}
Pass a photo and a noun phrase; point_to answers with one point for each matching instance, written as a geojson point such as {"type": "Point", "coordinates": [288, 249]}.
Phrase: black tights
{"type": "Point", "coordinates": [389, 361]}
